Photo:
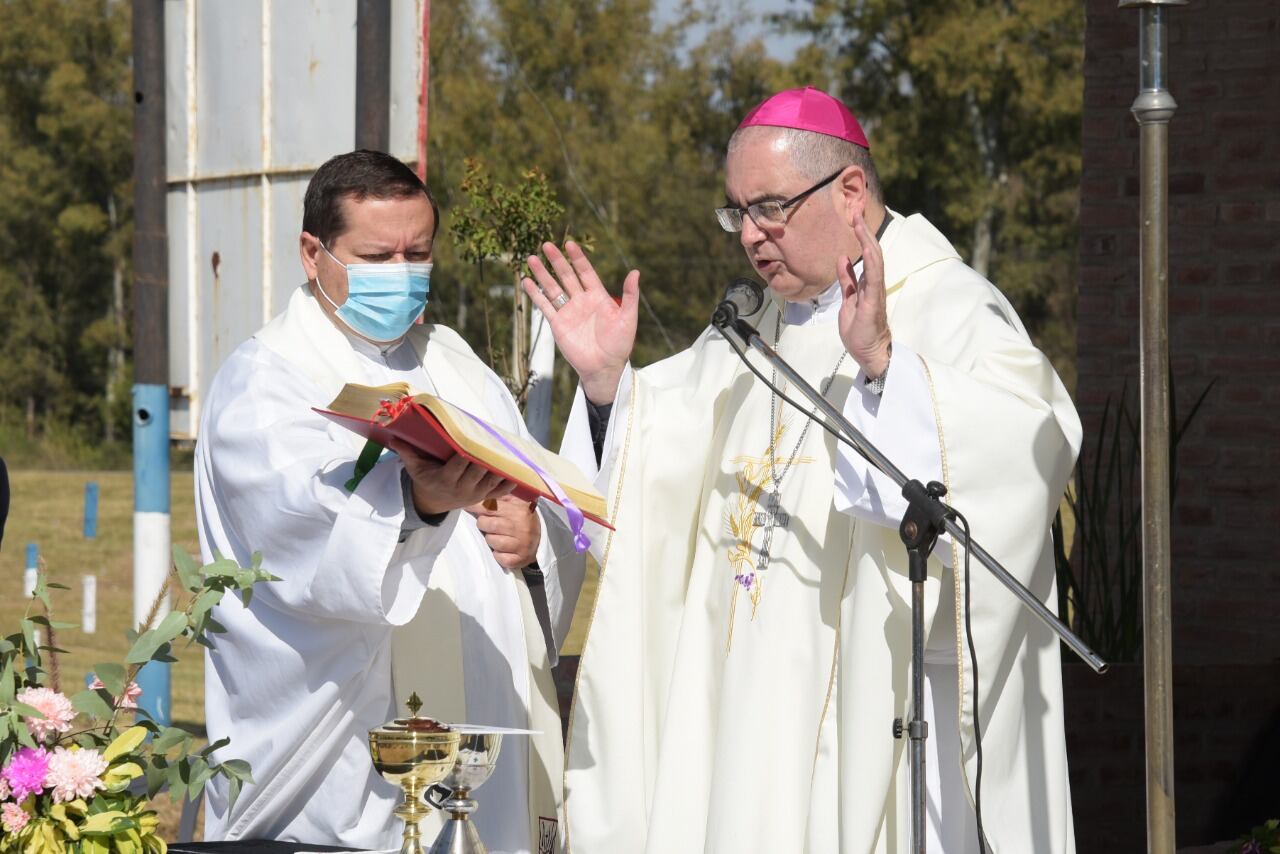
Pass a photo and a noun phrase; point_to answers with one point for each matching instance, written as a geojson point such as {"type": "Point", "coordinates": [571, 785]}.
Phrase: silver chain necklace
{"type": "Point", "coordinates": [773, 516]}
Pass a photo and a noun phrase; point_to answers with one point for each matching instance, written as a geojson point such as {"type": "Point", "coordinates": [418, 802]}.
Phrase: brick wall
{"type": "Point", "coordinates": [1224, 255]}
{"type": "Point", "coordinates": [1224, 234]}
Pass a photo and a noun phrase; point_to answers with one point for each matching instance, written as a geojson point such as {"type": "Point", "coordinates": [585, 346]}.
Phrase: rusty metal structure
{"type": "Point", "coordinates": [258, 95]}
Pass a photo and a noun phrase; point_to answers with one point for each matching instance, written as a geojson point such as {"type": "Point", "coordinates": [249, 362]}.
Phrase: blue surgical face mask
{"type": "Point", "coordinates": [383, 300]}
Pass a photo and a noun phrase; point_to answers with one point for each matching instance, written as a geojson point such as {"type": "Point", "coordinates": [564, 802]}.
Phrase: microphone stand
{"type": "Point", "coordinates": [925, 519]}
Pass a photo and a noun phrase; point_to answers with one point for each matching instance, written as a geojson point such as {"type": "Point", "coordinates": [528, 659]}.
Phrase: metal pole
{"type": "Point", "coordinates": [1154, 108]}
{"type": "Point", "coordinates": [151, 531]}
{"type": "Point", "coordinates": [373, 74]}
{"type": "Point", "coordinates": [424, 85]}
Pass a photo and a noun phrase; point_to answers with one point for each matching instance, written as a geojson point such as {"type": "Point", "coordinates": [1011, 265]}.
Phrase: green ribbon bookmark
{"type": "Point", "coordinates": [364, 464]}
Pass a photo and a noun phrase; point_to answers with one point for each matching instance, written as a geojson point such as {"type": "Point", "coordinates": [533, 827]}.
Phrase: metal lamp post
{"type": "Point", "coordinates": [1154, 108]}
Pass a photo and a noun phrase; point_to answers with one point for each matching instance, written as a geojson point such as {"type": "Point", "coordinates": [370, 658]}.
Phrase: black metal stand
{"type": "Point", "coordinates": [921, 525]}
{"type": "Point", "coordinates": [926, 518]}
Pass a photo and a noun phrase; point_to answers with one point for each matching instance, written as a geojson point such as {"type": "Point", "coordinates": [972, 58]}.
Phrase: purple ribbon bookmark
{"type": "Point", "coordinates": [580, 541]}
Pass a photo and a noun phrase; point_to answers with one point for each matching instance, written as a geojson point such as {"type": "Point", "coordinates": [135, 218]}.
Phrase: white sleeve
{"type": "Point", "coordinates": [900, 422]}
{"type": "Point", "coordinates": [270, 477]}
{"type": "Point", "coordinates": [577, 447]}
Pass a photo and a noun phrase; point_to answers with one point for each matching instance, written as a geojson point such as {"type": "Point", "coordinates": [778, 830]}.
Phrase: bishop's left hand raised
{"type": "Point", "coordinates": [864, 322]}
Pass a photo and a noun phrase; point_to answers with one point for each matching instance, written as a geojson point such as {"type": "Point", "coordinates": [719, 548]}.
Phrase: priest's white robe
{"type": "Point", "coordinates": [715, 716]}
{"type": "Point", "coordinates": [368, 609]}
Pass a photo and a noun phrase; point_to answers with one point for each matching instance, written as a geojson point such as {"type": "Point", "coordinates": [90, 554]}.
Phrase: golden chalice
{"type": "Point", "coordinates": [414, 753]}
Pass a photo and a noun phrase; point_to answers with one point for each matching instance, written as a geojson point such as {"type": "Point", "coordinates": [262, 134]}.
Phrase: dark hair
{"type": "Point", "coordinates": [358, 175]}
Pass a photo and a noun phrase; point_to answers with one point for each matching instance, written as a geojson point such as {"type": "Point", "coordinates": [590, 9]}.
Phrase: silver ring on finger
{"type": "Point", "coordinates": [559, 301]}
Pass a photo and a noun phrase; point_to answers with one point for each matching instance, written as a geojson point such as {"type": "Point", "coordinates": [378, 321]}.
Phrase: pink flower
{"type": "Point", "coordinates": [25, 772]}
{"type": "Point", "coordinates": [75, 774]}
{"type": "Point", "coordinates": [4, 789]}
{"type": "Point", "coordinates": [57, 710]}
{"type": "Point", "coordinates": [127, 700]}
{"type": "Point", "coordinates": [14, 818]}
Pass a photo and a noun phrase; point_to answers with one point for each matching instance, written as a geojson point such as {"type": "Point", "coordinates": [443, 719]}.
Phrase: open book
{"type": "Point", "coordinates": [439, 429]}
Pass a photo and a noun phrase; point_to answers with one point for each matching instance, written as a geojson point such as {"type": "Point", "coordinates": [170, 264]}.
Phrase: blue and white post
{"type": "Point", "coordinates": [151, 549]}
{"type": "Point", "coordinates": [150, 340]}
{"type": "Point", "coordinates": [30, 574]}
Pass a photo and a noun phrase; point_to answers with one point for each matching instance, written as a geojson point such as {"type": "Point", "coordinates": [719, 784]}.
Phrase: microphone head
{"type": "Point", "coordinates": [746, 294]}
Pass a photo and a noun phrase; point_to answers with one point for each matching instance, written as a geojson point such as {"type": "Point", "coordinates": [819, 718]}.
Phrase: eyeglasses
{"type": "Point", "coordinates": [769, 214]}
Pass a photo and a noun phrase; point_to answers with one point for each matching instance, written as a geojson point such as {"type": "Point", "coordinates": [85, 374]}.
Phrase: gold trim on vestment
{"type": "Point", "coordinates": [960, 618]}
{"type": "Point", "coordinates": [604, 560]}
{"type": "Point", "coordinates": [754, 478]}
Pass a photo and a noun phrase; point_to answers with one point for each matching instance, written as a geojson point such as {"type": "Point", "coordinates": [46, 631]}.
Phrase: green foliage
{"type": "Point", "coordinates": [503, 223]}
{"type": "Point", "coordinates": [974, 111]}
{"type": "Point", "coordinates": [117, 816]}
{"type": "Point", "coordinates": [65, 233]}
{"type": "Point", "coordinates": [1263, 839]}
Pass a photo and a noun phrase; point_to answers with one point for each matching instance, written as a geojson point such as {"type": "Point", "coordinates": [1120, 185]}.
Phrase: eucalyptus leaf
{"type": "Point", "coordinates": [188, 572]}
{"type": "Point", "coordinates": [171, 626]}
{"type": "Point", "coordinates": [7, 688]}
{"type": "Point", "coordinates": [94, 702]}
{"type": "Point", "coordinates": [143, 648]}
{"type": "Point", "coordinates": [237, 769]}
{"type": "Point", "coordinates": [169, 738]}
{"type": "Point", "coordinates": [112, 676]}
{"type": "Point", "coordinates": [29, 636]}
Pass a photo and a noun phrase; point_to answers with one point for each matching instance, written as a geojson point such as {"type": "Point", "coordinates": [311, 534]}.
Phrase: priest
{"type": "Point", "coordinates": [750, 644]}
{"type": "Point", "coordinates": [393, 581]}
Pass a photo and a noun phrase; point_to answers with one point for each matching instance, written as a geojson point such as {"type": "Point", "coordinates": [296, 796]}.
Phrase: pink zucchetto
{"type": "Point", "coordinates": [808, 109]}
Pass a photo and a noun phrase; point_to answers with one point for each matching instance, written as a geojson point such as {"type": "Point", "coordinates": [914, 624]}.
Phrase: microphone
{"type": "Point", "coordinates": [742, 298]}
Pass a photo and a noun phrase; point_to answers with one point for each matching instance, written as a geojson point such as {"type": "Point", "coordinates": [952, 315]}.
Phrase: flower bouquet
{"type": "Point", "coordinates": [77, 773]}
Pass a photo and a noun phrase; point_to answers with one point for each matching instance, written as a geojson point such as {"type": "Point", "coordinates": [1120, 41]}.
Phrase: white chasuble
{"type": "Point", "coordinates": [729, 704]}
{"type": "Point", "coordinates": [368, 609]}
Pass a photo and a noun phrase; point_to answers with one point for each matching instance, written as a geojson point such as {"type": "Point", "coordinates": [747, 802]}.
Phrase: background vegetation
{"type": "Point", "coordinates": [973, 108]}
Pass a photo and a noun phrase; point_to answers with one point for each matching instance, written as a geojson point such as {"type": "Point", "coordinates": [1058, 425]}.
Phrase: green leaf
{"type": "Point", "coordinates": [237, 769]}
{"type": "Point", "coordinates": [150, 642]}
{"type": "Point", "coordinates": [126, 742]}
{"type": "Point", "coordinates": [94, 702]}
{"type": "Point", "coordinates": [157, 776]}
{"type": "Point", "coordinates": [233, 792]}
{"type": "Point", "coordinates": [118, 777]}
{"type": "Point", "coordinates": [188, 571]}
{"type": "Point", "coordinates": [7, 687]}
{"type": "Point", "coordinates": [170, 737]}
{"type": "Point", "coordinates": [204, 602]}
{"type": "Point", "coordinates": [29, 639]}
{"type": "Point", "coordinates": [143, 648]}
{"type": "Point", "coordinates": [171, 626]}
{"type": "Point", "coordinates": [107, 824]}
{"type": "Point", "coordinates": [112, 676]}
{"type": "Point", "coordinates": [26, 711]}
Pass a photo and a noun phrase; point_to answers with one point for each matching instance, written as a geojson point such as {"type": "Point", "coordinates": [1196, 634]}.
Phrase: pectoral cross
{"type": "Point", "coordinates": [773, 516]}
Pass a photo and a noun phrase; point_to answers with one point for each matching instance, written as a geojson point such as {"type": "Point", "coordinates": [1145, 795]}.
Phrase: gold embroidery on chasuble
{"type": "Point", "coordinates": [747, 515]}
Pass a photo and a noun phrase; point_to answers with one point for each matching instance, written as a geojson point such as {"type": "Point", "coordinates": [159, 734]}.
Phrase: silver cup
{"type": "Point", "coordinates": [477, 757]}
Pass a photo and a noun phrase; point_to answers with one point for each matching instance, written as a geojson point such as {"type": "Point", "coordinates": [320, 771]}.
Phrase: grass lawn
{"type": "Point", "coordinates": [47, 508]}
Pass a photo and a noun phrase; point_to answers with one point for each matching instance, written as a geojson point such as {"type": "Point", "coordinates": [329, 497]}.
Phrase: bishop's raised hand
{"type": "Point", "coordinates": [864, 321]}
{"type": "Point", "coordinates": [594, 332]}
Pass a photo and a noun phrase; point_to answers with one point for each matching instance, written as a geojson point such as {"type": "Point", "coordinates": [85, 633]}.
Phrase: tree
{"type": "Point", "coordinates": [65, 163]}
{"type": "Point", "coordinates": [973, 108]}
{"type": "Point", "coordinates": [506, 224]}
